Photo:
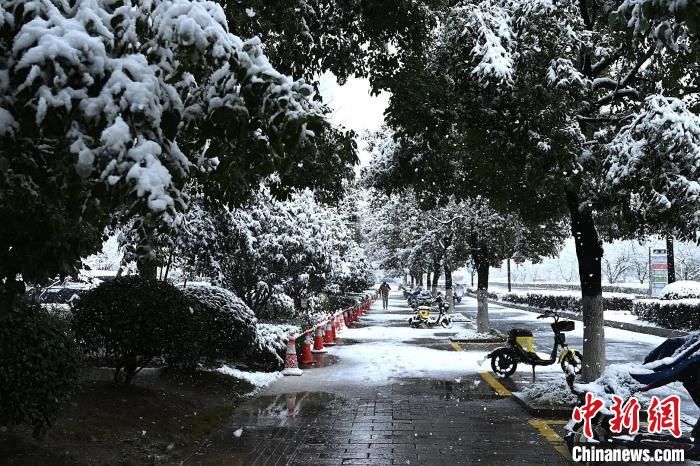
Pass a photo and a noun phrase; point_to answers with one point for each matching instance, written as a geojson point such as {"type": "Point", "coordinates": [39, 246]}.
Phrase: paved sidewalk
{"type": "Point", "coordinates": [325, 419]}
{"type": "Point", "coordinates": [417, 422]}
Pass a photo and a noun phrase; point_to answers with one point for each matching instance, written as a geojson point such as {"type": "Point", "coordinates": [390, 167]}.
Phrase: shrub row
{"type": "Point", "coordinates": [573, 286]}
{"type": "Point", "coordinates": [682, 314]}
{"type": "Point", "coordinates": [565, 303]}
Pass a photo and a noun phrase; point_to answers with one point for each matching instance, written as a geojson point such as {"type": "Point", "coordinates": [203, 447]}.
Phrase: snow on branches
{"type": "Point", "coordinates": [115, 84]}
{"type": "Point", "coordinates": [655, 160]}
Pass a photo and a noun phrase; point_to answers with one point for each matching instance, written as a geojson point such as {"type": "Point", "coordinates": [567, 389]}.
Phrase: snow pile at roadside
{"type": "Point", "coordinates": [554, 392]}
{"type": "Point", "coordinates": [471, 334]}
{"type": "Point", "coordinates": [681, 290]}
{"type": "Point", "coordinates": [259, 379]}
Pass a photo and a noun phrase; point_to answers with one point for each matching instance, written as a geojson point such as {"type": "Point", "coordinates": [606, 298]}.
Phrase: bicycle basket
{"type": "Point", "coordinates": [564, 326]}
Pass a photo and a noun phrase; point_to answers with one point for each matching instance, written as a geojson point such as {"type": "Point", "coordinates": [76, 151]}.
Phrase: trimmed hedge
{"type": "Point", "coordinates": [135, 320]}
{"type": "Point", "coordinates": [132, 320]}
{"type": "Point", "coordinates": [219, 326]}
{"type": "Point", "coordinates": [39, 364]}
{"type": "Point", "coordinates": [681, 314]}
{"type": "Point", "coordinates": [566, 303]}
{"type": "Point", "coordinates": [573, 286]}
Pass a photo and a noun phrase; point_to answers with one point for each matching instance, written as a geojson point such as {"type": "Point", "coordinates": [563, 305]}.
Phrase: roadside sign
{"type": "Point", "coordinates": [658, 271]}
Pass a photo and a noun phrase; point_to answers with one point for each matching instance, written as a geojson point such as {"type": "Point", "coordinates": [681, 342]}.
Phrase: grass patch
{"type": "Point", "coordinates": [159, 419]}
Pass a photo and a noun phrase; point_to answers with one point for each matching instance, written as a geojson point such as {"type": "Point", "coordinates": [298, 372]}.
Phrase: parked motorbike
{"type": "Point", "coordinates": [520, 349]}
{"type": "Point", "coordinates": [420, 298]}
{"type": "Point", "coordinates": [423, 317]}
{"type": "Point", "coordinates": [675, 360]}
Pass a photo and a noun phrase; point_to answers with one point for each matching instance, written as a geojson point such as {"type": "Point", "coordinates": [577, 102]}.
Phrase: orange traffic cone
{"type": "Point", "coordinates": [331, 321]}
{"type": "Point", "coordinates": [318, 340]}
{"type": "Point", "coordinates": [336, 322]}
{"type": "Point", "coordinates": [329, 337]}
{"type": "Point", "coordinates": [341, 322]}
{"type": "Point", "coordinates": [290, 362]}
{"type": "Point", "coordinates": [306, 357]}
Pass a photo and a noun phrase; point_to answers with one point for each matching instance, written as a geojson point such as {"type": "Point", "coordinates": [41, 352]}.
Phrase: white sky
{"type": "Point", "coordinates": [353, 107]}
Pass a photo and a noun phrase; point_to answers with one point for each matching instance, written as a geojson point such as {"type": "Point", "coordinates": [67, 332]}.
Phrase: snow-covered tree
{"type": "Point", "coordinates": [108, 108]}
{"type": "Point", "coordinates": [552, 109]}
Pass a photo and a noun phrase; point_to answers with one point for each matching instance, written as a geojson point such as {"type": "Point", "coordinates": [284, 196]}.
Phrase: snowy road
{"type": "Point", "coordinates": [390, 394]}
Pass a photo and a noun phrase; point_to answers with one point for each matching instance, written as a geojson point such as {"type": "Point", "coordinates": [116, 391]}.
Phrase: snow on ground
{"type": "Point", "coordinates": [551, 392]}
{"type": "Point", "coordinates": [259, 379]}
{"type": "Point", "coordinates": [610, 332]}
{"type": "Point", "coordinates": [627, 316]}
{"type": "Point", "coordinates": [397, 334]}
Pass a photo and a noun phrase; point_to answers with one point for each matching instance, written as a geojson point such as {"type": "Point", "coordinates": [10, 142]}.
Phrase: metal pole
{"type": "Point", "coordinates": [650, 271]}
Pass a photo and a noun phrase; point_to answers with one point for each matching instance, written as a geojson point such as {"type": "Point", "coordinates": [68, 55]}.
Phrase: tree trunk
{"type": "Point", "coordinates": [472, 274]}
{"type": "Point", "coordinates": [670, 259]}
{"type": "Point", "coordinates": [481, 263]}
{"type": "Point", "coordinates": [589, 252]}
{"type": "Point", "coordinates": [148, 268]}
{"type": "Point", "coordinates": [436, 276]}
{"type": "Point", "coordinates": [427, 280]}
{"type": "Point", "coordinates": [420, 278]}
{"type": "Point", "coordinates": [508, 268]}
{"type": "Point", "coordinates": [449, 294]}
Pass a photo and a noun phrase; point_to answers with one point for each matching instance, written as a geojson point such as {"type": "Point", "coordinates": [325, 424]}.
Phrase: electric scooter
{"type": "Point", "coordinates": [422, 316]}
{"type": "Point", "coordinates": [520, 349]}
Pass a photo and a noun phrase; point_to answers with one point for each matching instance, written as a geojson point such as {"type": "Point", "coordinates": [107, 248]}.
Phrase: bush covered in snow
{"type": "Point", "coordinates": [279, 306]}
{"type": "Point", "coordinates": [678, 314]}
{"type": "Point", "coordinates": [681, 290]}
{"type": "Point", "coordinates": [39, 364]}
{"type": "Point", "coordinates": [565, 302]}
{"type": "Point", "coordinates": [271, 345]}
{"type": "Point", "coordinates": [132, 320]}
{"type": "Point", "coordinates": [219, 325]}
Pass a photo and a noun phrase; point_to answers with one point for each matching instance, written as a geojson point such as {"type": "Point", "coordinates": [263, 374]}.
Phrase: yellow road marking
{"type": "Point", "coordinates": [543, 426]}
{"type": "Point", "coordinates": [456, 346]}
{"type": "Point", "coordinates": [495, 384]}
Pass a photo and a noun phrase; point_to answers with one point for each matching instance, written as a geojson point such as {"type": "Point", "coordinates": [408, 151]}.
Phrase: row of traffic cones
{"type": "Point", "coordinates": [322, 338]}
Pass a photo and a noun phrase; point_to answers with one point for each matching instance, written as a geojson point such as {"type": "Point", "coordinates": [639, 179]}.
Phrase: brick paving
{"type": "Point", "coordinates": [301, 421]}
{"type": "Point", "coordinates": [414, 423]}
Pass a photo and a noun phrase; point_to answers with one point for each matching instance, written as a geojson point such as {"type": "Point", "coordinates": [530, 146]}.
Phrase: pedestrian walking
{"type": "Point", "coordinates": [384, 289]}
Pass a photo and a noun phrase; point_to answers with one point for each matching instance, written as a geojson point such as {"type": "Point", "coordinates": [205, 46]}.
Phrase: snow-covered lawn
{"type": "Point", "coordinates": [628, 317]}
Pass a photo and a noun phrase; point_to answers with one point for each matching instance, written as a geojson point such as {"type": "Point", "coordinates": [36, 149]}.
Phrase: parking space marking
{"type": "Point", "coordinates": [543, 426]}
{"type": "Point", "coordinates": [495, 384]}
{"type": "Point", "coordinates": [456, 346]}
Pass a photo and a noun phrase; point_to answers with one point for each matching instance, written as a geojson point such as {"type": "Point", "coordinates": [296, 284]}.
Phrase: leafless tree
{"type": "Point", "coordinates": [616, 263]}
{"type": "Point", "coordinates": [687, 261]}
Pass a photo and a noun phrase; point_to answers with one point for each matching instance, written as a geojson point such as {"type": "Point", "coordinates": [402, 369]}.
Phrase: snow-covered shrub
{"type": "Point", "coordinates": [279, 306]}
{"type": "Point", "coordinates": [678, 314]}
{"type": "Point", "coordinates": [219, 326]}
{"type": "Point", "coordinates": [132, 320]}
{"type": "Point", "coordinates": [565, 302]}
{"type": "Point", "coordinates": [39, 364]}
{"type": "Point", "coordinates": [681, 290]}
{"type": "Point", "coordinates": [271, 345]}
{"type": "Point", "coordinates": [553, 392]}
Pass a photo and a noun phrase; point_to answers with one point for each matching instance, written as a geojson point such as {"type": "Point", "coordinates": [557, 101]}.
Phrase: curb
{"type": "Point", "coordinates": [546, 412]}
{"type": "Point", "coordinates": [489, 341]}
{"type": "Point", "coordinates": [656, 331]}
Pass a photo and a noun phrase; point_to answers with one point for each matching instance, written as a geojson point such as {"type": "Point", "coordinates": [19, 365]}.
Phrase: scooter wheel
{"type": "Point", "coordinates": [503, 362]}
{"type": "Point", "coordinates": [446, 322]}
{"type": "Point", "coordinates": [573, 359]}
